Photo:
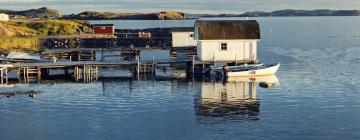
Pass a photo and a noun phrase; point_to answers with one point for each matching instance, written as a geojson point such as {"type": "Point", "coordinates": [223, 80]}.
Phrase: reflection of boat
{"type": "Point", "coordinates": [254, 71]}
{"type": "Point", "coordinates": [264, 78]}
{"type": "Point", "coordinates": [234, 99]}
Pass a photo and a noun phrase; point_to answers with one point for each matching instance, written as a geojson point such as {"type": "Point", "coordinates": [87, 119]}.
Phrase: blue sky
{"type": "Point", "coordinates": [189, 6]}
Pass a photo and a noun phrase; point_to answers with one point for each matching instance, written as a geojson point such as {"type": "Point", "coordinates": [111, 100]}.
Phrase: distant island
{"type": "Point", "coordinates": [285, 13]}
{"type": "Point", "coordinates": [46, 13]}
{"type": "Point", "coordinates": [92, 15]}
{"type": "Point", "coordinates": [33, 13]}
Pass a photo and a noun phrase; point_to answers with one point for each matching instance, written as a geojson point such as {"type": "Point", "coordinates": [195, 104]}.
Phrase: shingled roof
{"type": "Point", "coordinates": [227, 29]}
{"type": "Point", "coordinates": [182, 29]}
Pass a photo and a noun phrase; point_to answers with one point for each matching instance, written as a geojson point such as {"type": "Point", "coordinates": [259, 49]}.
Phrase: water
{"type": "Point", "coordinates": [317, 98]}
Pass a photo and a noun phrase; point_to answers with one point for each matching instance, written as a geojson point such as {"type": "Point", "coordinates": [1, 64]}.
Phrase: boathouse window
{"type": "Point", "coordinates": [102, 28]}
{"type": "Point", "coordinates": [223, 47]}
{"type": "Point", "coordinates": [191, 35]}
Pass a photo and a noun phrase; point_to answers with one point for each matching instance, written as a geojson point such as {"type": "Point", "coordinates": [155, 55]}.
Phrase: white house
{"type": "Point", "coordinates": [227, 40]}
{"type": "Point", "coordinates": [4, 17]}
{"type": "Point", "coordinates": [183, 37]}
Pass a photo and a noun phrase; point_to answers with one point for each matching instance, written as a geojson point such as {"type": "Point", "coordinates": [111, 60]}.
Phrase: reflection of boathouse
{"type": "Point", "coordinates": [236, 100]}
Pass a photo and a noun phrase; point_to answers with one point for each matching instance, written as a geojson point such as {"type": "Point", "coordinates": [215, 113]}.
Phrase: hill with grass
{"type": "Point", "coordinates": [33, 13]}
{"type": "Point", "coordinates": [24, 36]}
{"type": "Point", "coordinates": [92, 15]}
{"type": "Point", "coordinates": [285, 13]}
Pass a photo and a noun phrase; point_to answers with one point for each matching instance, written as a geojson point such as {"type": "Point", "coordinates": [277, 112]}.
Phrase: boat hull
{"type": "Point", "coordinates": [258, 72]}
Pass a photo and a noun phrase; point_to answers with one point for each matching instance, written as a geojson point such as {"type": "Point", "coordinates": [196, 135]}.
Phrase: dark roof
{"type": "Point", "coordinates": [102, 25]}
{"type": "Point", "coordinates": [182, 29]}
{"type": "Point", "coordinates": [228, 29]}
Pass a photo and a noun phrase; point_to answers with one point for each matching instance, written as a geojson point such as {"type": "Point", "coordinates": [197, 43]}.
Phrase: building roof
{"type": "Point", "coordinates": [227, 29]}
{"type": "Point", "coordinates": [182, 29]}
{"type": "Point", "coordinates": [102, 25]}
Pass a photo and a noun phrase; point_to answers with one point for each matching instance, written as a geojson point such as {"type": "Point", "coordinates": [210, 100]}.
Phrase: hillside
{"type": "Point", "coordinates": [24, 36]}
{"type": "Point", "coordinates": [92, 15]}
{"type": "Point", "coordinates": [43, 27]}
{"type": "Point", "coordinates": [286, 13]}
{"type": "Point", "coordinates": [33, 13]}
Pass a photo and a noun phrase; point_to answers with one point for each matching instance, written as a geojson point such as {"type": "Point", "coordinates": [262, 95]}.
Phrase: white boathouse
{"type": "Point", "coordinates": [4, 17]}
{"type": "Point", "coordinates": [227, 40]}
{"type": "Point", "coordinates": [183, 37]}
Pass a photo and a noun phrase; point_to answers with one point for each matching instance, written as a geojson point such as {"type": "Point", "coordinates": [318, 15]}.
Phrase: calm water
{"type": "Point", "coordinates": [318, 96]}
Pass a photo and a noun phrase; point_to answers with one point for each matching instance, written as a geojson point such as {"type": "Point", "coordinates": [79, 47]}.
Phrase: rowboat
{"type": "Point", "coordinates": [253, 71]}
{"type": "Point", "coordinates": [242, 70]}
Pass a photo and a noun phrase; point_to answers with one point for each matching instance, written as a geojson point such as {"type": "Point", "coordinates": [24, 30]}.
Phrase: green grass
{"type": "Point", "coordinates": [58, 27]}
{"type": "Point", "coordinates": [24, 36]}
{"type": "Point", "coordinates": [19, 44]}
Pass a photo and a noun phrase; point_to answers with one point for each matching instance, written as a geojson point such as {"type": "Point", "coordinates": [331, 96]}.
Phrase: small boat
{"type": "Point", "coordinates": [14, 57]}
{"type": "Point", "coordinates": [240, 67]}
{"type": "Point", "coordinates": [242, 70]}
{"type": "Point", "coordinates": [253, 71]}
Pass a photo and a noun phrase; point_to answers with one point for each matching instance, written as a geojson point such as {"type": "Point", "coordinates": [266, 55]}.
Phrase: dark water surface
{"type": "Point", "coordinates": [318, 96]}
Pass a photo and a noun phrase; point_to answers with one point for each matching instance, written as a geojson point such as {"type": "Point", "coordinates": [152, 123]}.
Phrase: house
{"type": "Point", "coordinates": [104, 28]}
{"type": "Point", "coordinates": [227, 40]}
{"type": "Point", "coordinates": [4, 17]}
{"type": "Point", "coordinates": [183, 37]}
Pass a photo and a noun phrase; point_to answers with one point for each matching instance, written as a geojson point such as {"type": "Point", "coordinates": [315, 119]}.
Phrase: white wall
{"type": "Point", "coordinates": [183, 39]}
{"type": "Point", "coordinates": [4, 17]}
{"type": "Point", "coordinates": [236, 50]}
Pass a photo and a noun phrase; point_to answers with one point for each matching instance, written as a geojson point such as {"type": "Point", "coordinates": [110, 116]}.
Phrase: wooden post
{"type": "Point", "coordinates": [66, 71]}
{"type": "Point", "coordinates": [19, 72]}
{"type": "Point", "coordinates": [24, 72]}
{"type": "Point", "coordinates": [193, 65]}
{"type": "Point", "coordinates": [79, 56]}
{"type": "Point", "coordinates": [138, 65]}
{"type": "Point", "coordinates": [214, 60]}
{"type": "Point", "coordinates": [39, 72]}
{"type": "Point", "coordinates": [84, 72]}
{"type": "Point", "coordinates": [153, 65]}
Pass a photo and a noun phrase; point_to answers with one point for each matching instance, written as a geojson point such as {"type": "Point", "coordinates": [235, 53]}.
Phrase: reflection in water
{"type": "Point", "coordinates": [233, 100]}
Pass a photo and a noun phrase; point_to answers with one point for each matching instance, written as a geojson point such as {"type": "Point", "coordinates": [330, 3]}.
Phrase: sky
{"type": "Point", "coordinates": [187, 6]}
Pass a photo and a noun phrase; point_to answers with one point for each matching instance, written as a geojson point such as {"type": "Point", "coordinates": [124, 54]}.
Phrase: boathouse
{"type": "Point", "coordinates": [104, 28]}
{"type": "Point", "coordinates": [183, 37]}
{"type": "Point", "coordinates": [4, 17]}
{"type": "Point", "coordinates": [227, 40]}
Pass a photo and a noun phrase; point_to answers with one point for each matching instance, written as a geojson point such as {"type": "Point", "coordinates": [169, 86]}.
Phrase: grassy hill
{"type": "Point", "coordinates": [92, 15]}
{"type": "Point", "coordinates": [34, 13]}
{"type": "Point", "coordinates": [24, 36]}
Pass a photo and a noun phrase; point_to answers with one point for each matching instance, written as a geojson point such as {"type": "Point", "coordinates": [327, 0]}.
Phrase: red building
{"type": "Point", "coordinates": [103, 28]}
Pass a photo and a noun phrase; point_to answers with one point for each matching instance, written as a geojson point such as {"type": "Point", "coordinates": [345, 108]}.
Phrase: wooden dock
{"type": "Point", "coordinates": [89, 70]}
{"type": "Point", "coordinates": [82, 69]}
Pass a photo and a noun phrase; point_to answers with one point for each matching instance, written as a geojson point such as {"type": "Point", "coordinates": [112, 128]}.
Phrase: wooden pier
{"type": "Point", "coordinates": [88, 69]}
{"type": "Point", "coordinates": [82, 69]}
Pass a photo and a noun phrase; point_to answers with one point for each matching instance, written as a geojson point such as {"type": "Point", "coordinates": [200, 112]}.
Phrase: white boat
{"type": "Point", "coordinates": [254, 71]}
{"type": "Point", "coordinates": [23, 56]}
{"type": "Point", "coordinates": [239, 67]}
